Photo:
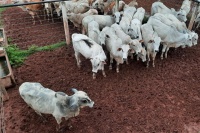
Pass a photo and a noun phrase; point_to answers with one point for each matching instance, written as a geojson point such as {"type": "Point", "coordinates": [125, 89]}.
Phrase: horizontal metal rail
{"type": "Point", "coordinates": [29, 3]}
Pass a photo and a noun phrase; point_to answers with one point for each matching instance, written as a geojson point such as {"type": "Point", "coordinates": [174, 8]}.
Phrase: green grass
{"type": "Point", "coordinates": [1, 20]}
{"type": "Point", "coordinates": [17, 56]}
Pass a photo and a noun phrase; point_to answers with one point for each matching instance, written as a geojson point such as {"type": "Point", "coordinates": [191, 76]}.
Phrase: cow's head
{"type": "Point", "coordinates": [142, 54]}
{"type": "Point", "coordinates": [156, 43]}
{"type": "Point", "coordinates": [136, 45]}
{"type": "Point", "coordinates": [195, 37]}
{"type": "Point", "coordinates": [181, 15]}
{"type": "Point", "coordinates": [102, 38]}
{"type": "Point", "coordinates": [81, 99]}
{"type": "Point", "coordinates": [188, 41]}
{"type": "Point", "coordinates": [124, 50]}
{"type": "Point", "coordinates": [98, 61]}
{"type": "Point", "coordinates": [117, 16]}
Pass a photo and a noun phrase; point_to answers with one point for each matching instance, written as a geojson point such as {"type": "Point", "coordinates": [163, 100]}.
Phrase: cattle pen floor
{"type": "Point", "coordinates": [164, 99]}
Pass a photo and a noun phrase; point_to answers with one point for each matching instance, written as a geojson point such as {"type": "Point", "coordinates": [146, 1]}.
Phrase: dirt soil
{"type": "Point", "coordinates": [164, 99]}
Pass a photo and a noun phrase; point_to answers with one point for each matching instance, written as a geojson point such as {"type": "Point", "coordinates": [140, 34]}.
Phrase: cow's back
{"type": "Point", "coordinates": [36, 96]}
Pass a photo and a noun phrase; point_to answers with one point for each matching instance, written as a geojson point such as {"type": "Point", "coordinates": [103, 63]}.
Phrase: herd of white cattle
{"type": "Point", "coordinates": [123, 34]}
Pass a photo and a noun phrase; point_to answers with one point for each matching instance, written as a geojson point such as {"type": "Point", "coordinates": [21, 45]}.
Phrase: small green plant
{"type": "Point", "coordinates": [18, 56]}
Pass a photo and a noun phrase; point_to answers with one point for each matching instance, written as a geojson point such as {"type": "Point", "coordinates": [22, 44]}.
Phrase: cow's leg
{"type": "Point", "coordinates": [153, 58]}
{"type": "Point", "coordinates": [83, 30]}
{"type": "Point", "coordinates": [69, 125]}
{"type": "Point", "coordinates": [52, 14]}
{"type": "Point", "coordinates": [38, 17]}
{"type": "Point", "coordinates": [137, 57]}
{"type": "Point", "coordinates": [94, 75]}
{"type": "Point", "coordinates": [163, 50]}
{"type": "Point", "coordinates": [77, 56]}
{"type": "Point", "coordinates": [59, 120]}
{"type": "Point", "coordinates": [127, 61]}
{"type": "Point", "coordinates": [103, 72]}
{"type": "Point", "coordinates": [111, 61]}
{"type": "Point", "coordinates": [33, 17]}
{"type": "Point", "coordinates": [117, 68]}
{"type": "Point", "coordinates": [167, 49]}
{"type": "Point", "coordinates": [43, 118]}
{"type": "Point", "coordinates": [148, 58]}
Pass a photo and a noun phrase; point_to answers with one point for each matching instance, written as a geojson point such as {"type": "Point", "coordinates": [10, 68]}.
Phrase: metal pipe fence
{"type": "Point", "coordinates": [20, 30]}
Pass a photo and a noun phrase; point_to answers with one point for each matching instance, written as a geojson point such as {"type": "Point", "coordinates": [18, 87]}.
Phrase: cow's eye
{"type": "Point", "coordinates": [84, 101]}
{"type": "Point", "coordinates": [97, 64]}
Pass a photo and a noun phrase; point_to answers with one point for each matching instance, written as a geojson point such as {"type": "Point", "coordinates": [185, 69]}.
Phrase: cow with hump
{"type": "Point", "coordinates": [46, 101]}
{"type": "Point", "coordinates": [85, 46]}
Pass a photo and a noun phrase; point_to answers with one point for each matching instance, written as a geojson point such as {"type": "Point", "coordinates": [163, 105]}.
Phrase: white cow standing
{"type": "Point", "coordinates": [151, 42]}
{"type": "Point", "coordinates": [116, 48]}
{"type": "Point", "coordinates": [159, 7]}
{"type": "Point", "coordinates": [102, 20]}
{"type": "Point", "coordinates": [59, 104]}
{"type": "Point", "coordinates": [170, 36]}
{"type": "Point", "coordinates": [93, 31]}
{"type": "Point", "coordinates": [85, 46]}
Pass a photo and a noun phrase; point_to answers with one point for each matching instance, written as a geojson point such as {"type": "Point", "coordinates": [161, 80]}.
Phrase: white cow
{"type": "Point", "coordinates": [125, 24]}
{"type": "Point", "coordinates": [135, 27]}
{"type": "Point", "coordinates": [133, 3]}
{"type": "Point", "coordinates": [90, 50]}
{"type": "Point", "coordinates": [159, 7]}
{"type": "Point", "coordinates": [171, 20]}
{"type": "Point", "coordinates": [116, 48]}
{"type": "Point", "coordinates": [170, 37]}
{"type": "Point", "coordinates": [186, 6]}
{"type": "Point", "coordinates": [129, 12]}
{"type": "Point", "coordinates": [102, 20]}
{"type": "Point", "coordinates": [76, 19]}
{"type": "Point", "coordinates": [151, 42]}
{"type": "Point", "coordinates": [57, 8]}
{"type": "Point", "coordinates": [126, 39]}
{"type": "Point", "coordinates": [76, 7]}
{"type": "Point", "coordinates": [139, 14]}
{"type": "Point", "coordinates": [49, 10]}
{"type": "Point", "coordinates": [93, 31]}
{"type": "Point", "coordinates": [59, 104]}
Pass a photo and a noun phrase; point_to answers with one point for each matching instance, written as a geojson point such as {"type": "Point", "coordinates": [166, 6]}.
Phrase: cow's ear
{"type": "Point", "coordinates": [74, 90]}
{"type": "Point", "coordinates": [104, 62]}
{"type": "Point", "coordinates": [131, 50]}
{"type": "Point", "coordinates": [119, 49]}
{"type": "Point", "coordinates": [141, 41]}
{"type": "Point", "coordinates": [105, 0]}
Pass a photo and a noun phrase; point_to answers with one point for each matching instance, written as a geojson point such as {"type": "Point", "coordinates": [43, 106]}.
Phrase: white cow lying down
{"type": "Point", "coordinates": [59, 104]}
{"type": "Point", "coordinates": [82, 44]}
